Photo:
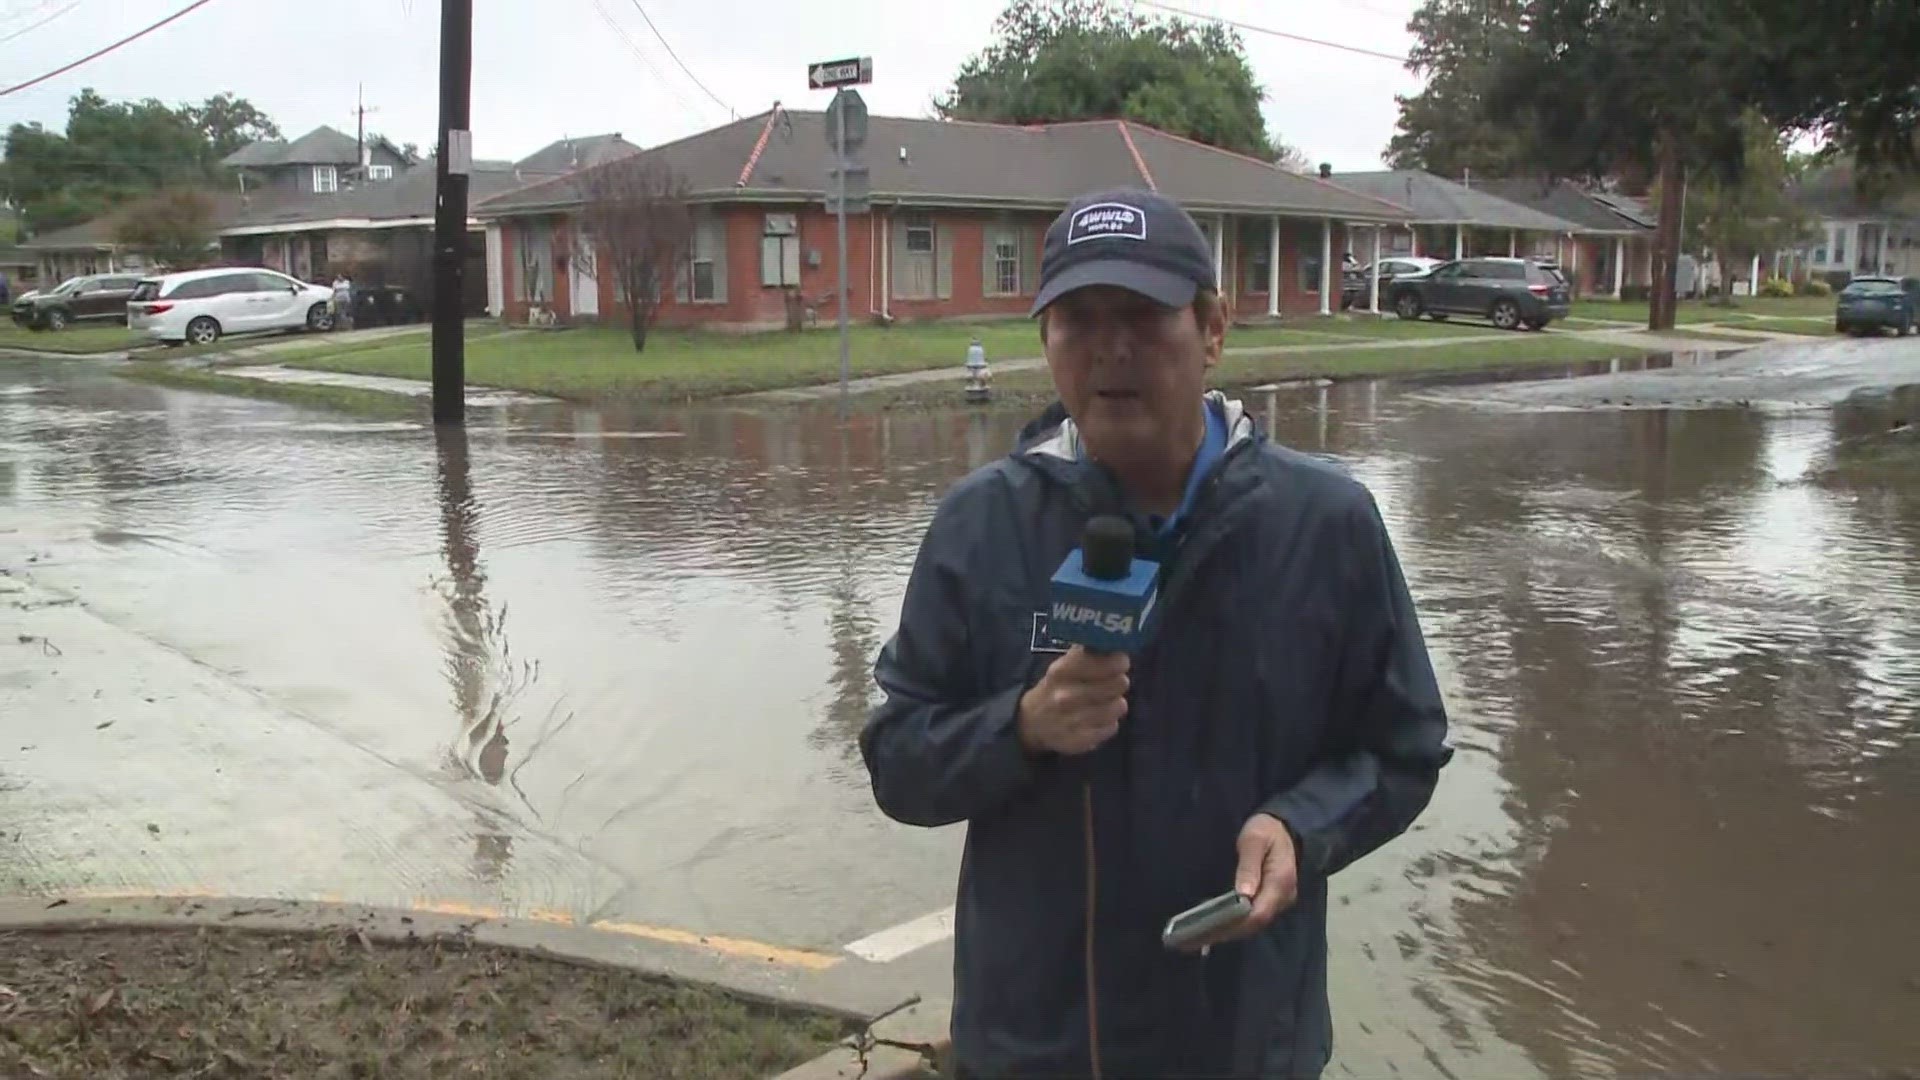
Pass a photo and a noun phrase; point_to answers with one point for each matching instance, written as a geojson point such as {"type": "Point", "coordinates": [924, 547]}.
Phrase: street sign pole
{"type": "Point", "coordinates": [840, 227]}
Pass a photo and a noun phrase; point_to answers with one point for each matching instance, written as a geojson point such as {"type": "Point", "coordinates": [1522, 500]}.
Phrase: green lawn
{"type": "Point", "coordinates": [81, 339]}
{"type": "Point", "coordinates": [592, 363]}
{"type": "Point", "coordinates": [1713, 335]}
{"type": "Point", "coordinates": [600, 364]}
{"type": "Point", "coordinates": [1698, 311]}
{"type": "Point", "coordinates": [1035, 387]}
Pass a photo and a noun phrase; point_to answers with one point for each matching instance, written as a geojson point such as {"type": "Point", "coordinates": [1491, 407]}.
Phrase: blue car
{"type": "Point", "coordinates": [1873, 304]}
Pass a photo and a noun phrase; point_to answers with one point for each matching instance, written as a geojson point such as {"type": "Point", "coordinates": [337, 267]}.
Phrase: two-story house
{"type": "Point", "coordinates": [320, 162]}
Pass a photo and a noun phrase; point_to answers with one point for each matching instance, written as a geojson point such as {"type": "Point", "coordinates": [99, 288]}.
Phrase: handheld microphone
{"type": "Point", "coordinates": [1102, 597]}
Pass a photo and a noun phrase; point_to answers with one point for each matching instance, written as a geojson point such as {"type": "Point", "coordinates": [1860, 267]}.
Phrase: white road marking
{"type": "Point", "coordinates": [897, 941]}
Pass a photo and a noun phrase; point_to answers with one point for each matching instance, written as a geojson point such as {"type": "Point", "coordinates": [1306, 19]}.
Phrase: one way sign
{"type": "Point", "coordinates": [848, 72]}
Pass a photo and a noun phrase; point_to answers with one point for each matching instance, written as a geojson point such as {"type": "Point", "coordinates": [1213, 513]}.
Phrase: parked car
{"type": "Point", "coordinates": [199, 306]}
{"type": "Point", "coordinates": [88, 298]}
{"type": "Point", "coordinates": [1510, 292]}
{"type": "Point", "coordinates": [1873, 304]}
{"type": "Point", "coordinates": [1354, 284]}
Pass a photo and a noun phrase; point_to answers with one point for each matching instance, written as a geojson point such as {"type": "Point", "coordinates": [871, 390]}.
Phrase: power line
{"type": "Point", "coordinates": [98, 53]}
{"type": "Point", "coordinates": [1275, 33]}
{"type": "Point", "coordinates": [41, 23]}
{"type": "Point", "coordinates": [634, 48]}
{"type": "Point", "coordinates": [683, 66]}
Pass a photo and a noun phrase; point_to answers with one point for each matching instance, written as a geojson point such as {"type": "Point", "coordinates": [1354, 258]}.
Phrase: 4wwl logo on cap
{"type": "Point", "coordinates": [1107, 219]}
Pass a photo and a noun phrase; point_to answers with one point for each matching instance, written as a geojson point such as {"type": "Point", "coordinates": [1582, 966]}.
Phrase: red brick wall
{"type": "Point", "coordinates": [749, 304]}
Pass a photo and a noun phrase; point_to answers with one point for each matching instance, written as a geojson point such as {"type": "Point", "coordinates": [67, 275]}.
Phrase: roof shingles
{"type": "Point", "coordinates": [1436, 200]}
{"type": "Point", "coordinates": [960, 163]}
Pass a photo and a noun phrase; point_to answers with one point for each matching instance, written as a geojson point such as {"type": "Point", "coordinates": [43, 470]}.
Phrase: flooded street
{"type": "Point", "coordinates": [627, 655]}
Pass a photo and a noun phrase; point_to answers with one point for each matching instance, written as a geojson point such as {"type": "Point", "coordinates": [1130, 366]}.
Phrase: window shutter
{"type": "Point", "coordinates": [943, 265]}
{"type": "Point", "coordinates": [899, 268]}
{"type": "Point", "coordinates": [989, 239]}
{"type": "Point", "coordinates": [1030, 242]}
{"type": "Point", "coordinates": [717, 251]}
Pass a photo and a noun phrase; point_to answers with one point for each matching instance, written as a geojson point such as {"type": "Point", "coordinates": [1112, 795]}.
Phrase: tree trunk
{"type": "Point", "coordinates": [638, 311]}
{"type": "Point", "coordinates": [1662, 305]}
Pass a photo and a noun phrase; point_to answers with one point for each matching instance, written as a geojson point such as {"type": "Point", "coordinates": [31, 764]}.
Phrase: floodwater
{"type": "Point", "coordinates": [1681, 649]}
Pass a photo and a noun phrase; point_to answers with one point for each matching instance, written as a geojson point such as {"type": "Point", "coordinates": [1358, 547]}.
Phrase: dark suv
{"type": "Point", "coordinates": [93, 298]}
{"type": "Point", "coordinates": [1510, 292]}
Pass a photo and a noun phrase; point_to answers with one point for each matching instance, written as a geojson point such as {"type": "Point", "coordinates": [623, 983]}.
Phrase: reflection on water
{"type": "Point", "coordinates": [1680, 648]}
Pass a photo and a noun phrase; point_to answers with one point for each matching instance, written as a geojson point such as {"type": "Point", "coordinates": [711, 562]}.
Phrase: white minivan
{"type": "Point", "coordinates": [198, 306]}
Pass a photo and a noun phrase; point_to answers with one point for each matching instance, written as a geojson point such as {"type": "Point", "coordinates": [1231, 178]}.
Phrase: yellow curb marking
{"type": "Point", "coordinates": [730, 946]}
{"type": "Point", "coordinates": [752, 950]}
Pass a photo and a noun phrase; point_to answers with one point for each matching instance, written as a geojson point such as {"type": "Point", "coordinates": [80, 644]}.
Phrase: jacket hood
{"type": "Point", "coordinates": [1053, 433]}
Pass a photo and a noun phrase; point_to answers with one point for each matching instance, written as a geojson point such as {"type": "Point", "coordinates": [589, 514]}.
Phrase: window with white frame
{"type": "Point", "coordinates": [919, 234]}
{"type": "Point", "coordinates": [706, 280]}
{"type": "Point", "coordinates": [1003, 278]}
{"type": "Point", "coordinates": [780, 250]}
{"type": "Point", "coordinates": [325, 178]}
{"type": "Point", "coordinates": [379, 172]}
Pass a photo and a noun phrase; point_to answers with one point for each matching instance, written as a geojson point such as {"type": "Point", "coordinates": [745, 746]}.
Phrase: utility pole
{"type": "Point", "coordinates": [840, 227]}
{"type": "Point", "coordinates": [451, 165]}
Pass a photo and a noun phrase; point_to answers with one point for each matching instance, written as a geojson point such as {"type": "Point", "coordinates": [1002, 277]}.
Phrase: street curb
{"type": "Point", "coordinates": [837, 993]}
{"type": "Point", "coordinates": [910, 1044]}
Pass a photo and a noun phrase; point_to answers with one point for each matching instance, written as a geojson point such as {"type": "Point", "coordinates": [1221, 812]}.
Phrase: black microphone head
{"type": "Point", "coordinates": [1106, 547]}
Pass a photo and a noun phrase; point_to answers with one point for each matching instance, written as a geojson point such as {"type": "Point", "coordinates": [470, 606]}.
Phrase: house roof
{"type": "Point", "coordinates": [782, 154]}
{"type": "Point", "coordinates": [1435, 200]}
{"type": "Point", "coordinates": [1831, 193]}
{"type": "Point", "coordinates": [408, 196]}
{"type": "Point", "coordinates": [97, 234]}
{"type": "Point", "coordinates": [17, 256]}
{"type": "Point", "coordinates": [1565, 200]}
{"type": "Point", "coordinates": [321, 146]}
{"type": "Point", "coordinates": [1632, 209]}
{"type": "Point", "coordinates": [566, 155]}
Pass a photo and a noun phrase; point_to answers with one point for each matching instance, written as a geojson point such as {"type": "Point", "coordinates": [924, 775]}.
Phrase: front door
{"type": "Point", "coordinates": [585, 282]}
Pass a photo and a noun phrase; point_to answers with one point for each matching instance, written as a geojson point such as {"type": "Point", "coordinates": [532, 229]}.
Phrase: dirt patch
{"type": "Point", "coordinates": [110, 1004]}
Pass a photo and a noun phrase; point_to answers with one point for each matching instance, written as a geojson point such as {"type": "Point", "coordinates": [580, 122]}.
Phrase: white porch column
{"type": "Point", "coordinates": [496, 266]}
{"type": "Point", "coordinates": [1573, 278]}
{"type": "Point", "coordinates": [1619, 265]}
{"type": "Point", "coordinates": [1373, 299]}
{"type": "Point", "coordinates": [1413, 237]}
{"type": "Point", "coordinates": [1273, 267]}
{"type": "Point", "coordinates": [1220, 254]}
{"type": "Point", "coordinates": [1753, 278]}
{"type": "Point", "coordinates": [1459, 241]}
{"type": "Point", "coordinates": [1326, 266]}
{"type": "Point", "coordinates": [1513, 242]}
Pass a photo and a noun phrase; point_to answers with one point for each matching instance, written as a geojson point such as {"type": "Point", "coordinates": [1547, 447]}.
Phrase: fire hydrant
{"type": "Point", "coordinates": [979, 376]}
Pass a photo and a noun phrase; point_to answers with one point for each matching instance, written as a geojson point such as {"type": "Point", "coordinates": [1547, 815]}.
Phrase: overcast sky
{"type": "Point", "coordinates": [550, 68]}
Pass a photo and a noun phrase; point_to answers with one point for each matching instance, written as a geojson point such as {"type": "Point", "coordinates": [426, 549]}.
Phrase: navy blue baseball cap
{"type": "Point", "coordinates": [1129, 238]}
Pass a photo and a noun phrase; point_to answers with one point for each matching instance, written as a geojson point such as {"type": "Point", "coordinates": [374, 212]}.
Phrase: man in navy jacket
{"type": "Point", "coordinates": [1281, 722]}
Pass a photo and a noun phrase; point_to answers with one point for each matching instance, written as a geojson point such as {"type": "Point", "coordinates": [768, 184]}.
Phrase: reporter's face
{"type": "Point", "coordinates": [1130, 371]}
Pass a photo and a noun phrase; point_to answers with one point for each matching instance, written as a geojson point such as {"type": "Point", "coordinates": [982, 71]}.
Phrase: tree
{"type": "Point", "coordinates": [637, 215]}
{"type": "Point", "coordinates": [1289, 157]}
{"type": "Point", "coordinates": [173, 228]}
{"type": "Point", "coordinates": [229, 123]}
{"type": "Point", "coordinates": [1738, 217]}
{"type": "Point", "coordinates": [1600, 87]}
{"type": "Point", "coordinates": [1444, 129]}
{"type": "Point", "coordinates": [115, 152]}
{"type": "Point", "coordinates": [1060, 60]}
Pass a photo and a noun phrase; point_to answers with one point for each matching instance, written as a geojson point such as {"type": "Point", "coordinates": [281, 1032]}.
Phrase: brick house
{"type": "Point", "coordinates": [957, 214]}
{"type": "Point", "coordinates": [1612, 246]}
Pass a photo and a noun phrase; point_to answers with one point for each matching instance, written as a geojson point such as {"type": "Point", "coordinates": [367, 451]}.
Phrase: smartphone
{"type": "Point", "coordinates": [1205, 918]}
